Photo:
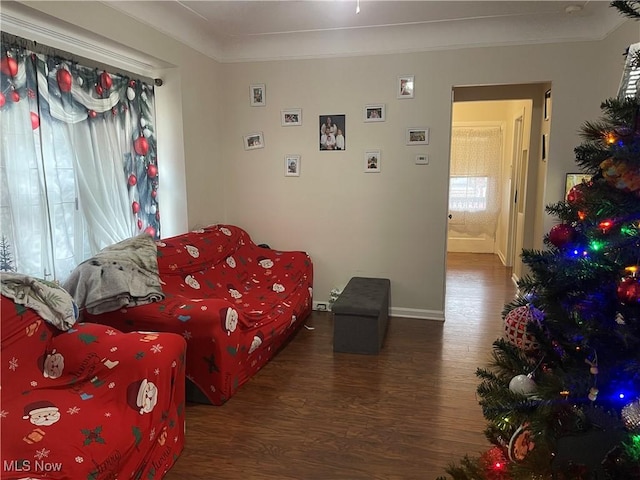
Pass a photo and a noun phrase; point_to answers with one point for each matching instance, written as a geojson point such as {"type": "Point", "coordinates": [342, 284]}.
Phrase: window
{"type": "Point", "coordinates": [468, 194]}
{"type": "Point", "coordinates": [78, 166]}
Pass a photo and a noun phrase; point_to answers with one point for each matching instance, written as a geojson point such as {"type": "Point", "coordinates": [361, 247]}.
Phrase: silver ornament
{"type": "Point", "coordinates": [523, 384]}
{"type": "Point", "coordinates": [631, 416]}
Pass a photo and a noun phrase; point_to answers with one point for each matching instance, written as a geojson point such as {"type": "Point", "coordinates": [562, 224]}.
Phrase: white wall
{"type": "Point", "coordinates": [390, 224]}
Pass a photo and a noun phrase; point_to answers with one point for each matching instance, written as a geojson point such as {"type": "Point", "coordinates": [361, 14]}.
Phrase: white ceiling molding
{"type": "Point", "coordinates": [245, 31]}
{"type": "Point", "coordinates": [22, 21]}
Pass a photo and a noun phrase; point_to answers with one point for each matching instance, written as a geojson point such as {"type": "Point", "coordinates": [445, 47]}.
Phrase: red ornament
{"type": "Point", "coordinates": [35, 120]}
{"type": "Point", "coordinates": [576, 194]}
{"type": "Point", "coordinates": [15, 96]}
{"type": "Point", "coordinates": [629, 290]}
{"type": "Point", "coordinates": [154, 193]}
{"type": "Point", "coordinates": [516, 327]}
{"type": "Point", "coordinates": [135, 206]}
{"type": "Point", "coordinates": [132, 180]}
{"type": "Point", "coordinates": [9, 66]}
{"type": "Point", "coordinates": [92, 113]}
{"type": "Point", "coordinates": [158, 215]}
{"type": "Point", "coordinates": [132, 83]}
{"type": "Point", "coordinates": [64, 80]}
{"type": "Point", "coordinates": [105, 81]}
{"type": "Point", "coordinates": [152, 171]}
{"type": "Point", "coordinates": [141, 146]}
{"type": "Point", "coordinates": [562, 234]}
{"type": "Point", "coordinates": [99, 89]}
{"type": "Point", "coordinates": [3, 99]}
{"type": "Point", "coordinates": [139, 224]}
{"type": "Point", "coordinates": [150, 230]}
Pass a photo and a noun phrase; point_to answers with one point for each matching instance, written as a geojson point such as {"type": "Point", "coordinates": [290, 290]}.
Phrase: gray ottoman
{"type": "Point", "coordinates": [361, 315]}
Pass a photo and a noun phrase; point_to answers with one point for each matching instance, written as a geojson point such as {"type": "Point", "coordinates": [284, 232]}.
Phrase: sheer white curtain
{"type": "Point", "coordinates": [474, 190]}
{"type": "Point", "coordinates": [78, 163]}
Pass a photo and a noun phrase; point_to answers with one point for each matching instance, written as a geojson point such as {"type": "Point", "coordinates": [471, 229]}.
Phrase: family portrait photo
{"type": "Point", "coordinates": [332, 132]}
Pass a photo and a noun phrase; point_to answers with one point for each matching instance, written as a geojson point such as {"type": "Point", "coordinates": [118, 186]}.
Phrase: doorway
{"type": "Point", "coordinates": [519, 107]}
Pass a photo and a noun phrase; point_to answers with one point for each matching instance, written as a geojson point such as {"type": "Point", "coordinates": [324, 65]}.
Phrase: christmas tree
{"type": "Point", "coordinates": [562, 393]}
{"type": "Point", "coordinates": [6, 258]}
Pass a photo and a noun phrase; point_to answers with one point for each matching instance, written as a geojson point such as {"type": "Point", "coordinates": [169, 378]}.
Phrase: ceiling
{"type": "Point", "coordinates": [239, 30]}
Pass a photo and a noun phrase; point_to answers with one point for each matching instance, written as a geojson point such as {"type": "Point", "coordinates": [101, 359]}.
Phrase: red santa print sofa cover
{"type": "Point", "coordinates": [234, 302]}
{"type": "Point", "coordinates": [88, 403]}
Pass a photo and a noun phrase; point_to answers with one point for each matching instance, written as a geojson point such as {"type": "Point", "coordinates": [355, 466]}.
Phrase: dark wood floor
{"type": "Point", "coordinates": [405, 414]}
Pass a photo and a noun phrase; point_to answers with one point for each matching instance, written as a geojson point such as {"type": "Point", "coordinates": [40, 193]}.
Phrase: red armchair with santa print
{"type": "Point", "coordinates": [89, 402]}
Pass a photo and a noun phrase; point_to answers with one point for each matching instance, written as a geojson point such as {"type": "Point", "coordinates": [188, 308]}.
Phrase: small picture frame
{"type": "Point", "coordinates": [292, 165]}
{"type": "Point", "coordinates": [375, 113]}
{"type": "Point", "coordinates": [418, 136]}
{"type": "Point", "coordinates": [372, 159]}
{"type": "Point", "coordinates": [405, 86]}
{"type": "Point", "coordinates": [258, 95]}
{"type": "Point", "coordinates": [547, 105]}
{"type": "Point", "coordinates": [253, 141]}
{"type": "Point", "coordinates": [422, 159]}
{"type": "Point", "coordinates": [291, 117]}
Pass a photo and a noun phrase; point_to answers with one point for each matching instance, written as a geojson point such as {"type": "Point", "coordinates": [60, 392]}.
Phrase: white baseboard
{"type": "Point", "coordinates": [394, 312]}
{"type": "Point", "coordinates": [418, 313]}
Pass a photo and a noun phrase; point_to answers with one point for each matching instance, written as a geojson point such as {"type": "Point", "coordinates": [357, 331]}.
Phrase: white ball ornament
{"type": "Point", "coordinates": [131, 93]}
{"type": "Point", "coordinates": [79, 81]}
{"type": "Point", "coordinates": [146, 132]}
{"type": "Point", "coordinates": [143, 122]}
{"type": "Point", "coordinates": [523, 384]}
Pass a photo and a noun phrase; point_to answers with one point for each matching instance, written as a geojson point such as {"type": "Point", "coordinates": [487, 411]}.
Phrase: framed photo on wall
{"type": "Point", "coordinates": [258, 95]}
{"type": "Point", "coordinates": [418, 136]}
{"type": "Point", "coordinates": [253, 141]}
{"type": "Point", "coordinates": [374, 113]}
{"type": "Point", "coordinates": [292, 165]}
{"type": "Point", "coordinates": [372, 160]}
{"type": "Point", "coordinates": [333, 133]}
{"type": "Point", "coordinates": [404, 88]}
{"type": "Point", "coordinates": [291, 117]}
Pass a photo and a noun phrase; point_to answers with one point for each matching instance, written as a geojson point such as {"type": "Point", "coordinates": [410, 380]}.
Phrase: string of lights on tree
{"type": "Point", "coordinates": [101, 94]}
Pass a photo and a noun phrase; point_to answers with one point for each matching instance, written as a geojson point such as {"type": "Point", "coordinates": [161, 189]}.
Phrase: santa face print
{"type": "Point", "coordinates": [142, 396]}
{"type": "Point", "coordinates": [234, 293]}
{"type": "Point", "coordinates": [255, 343]}
{"type": "Point", "coordinates": [266, 263]}
{"type": "Point", "coordinates": [278, 288]}
{"type": "Point", "coordinates": [231, 322]}
{"type": "Point", "coordinates": [53, 365]}
{"type": "Point", "coordinates": [43, 417]}
{"type": "Point", "coordinates": [231, 262]}
{"type": "Point", "coordinates": [226, 231]}
{"type": "Point", "coordinates": [149, 394]}
{"type": "Point", "coordinates": [192, 282]}
{"type": "Point", "coordinates": [193, 251]}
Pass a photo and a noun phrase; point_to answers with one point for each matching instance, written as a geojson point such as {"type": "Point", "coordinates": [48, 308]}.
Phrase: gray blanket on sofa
{"type": "Point", "coordinates": [121, 275]}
